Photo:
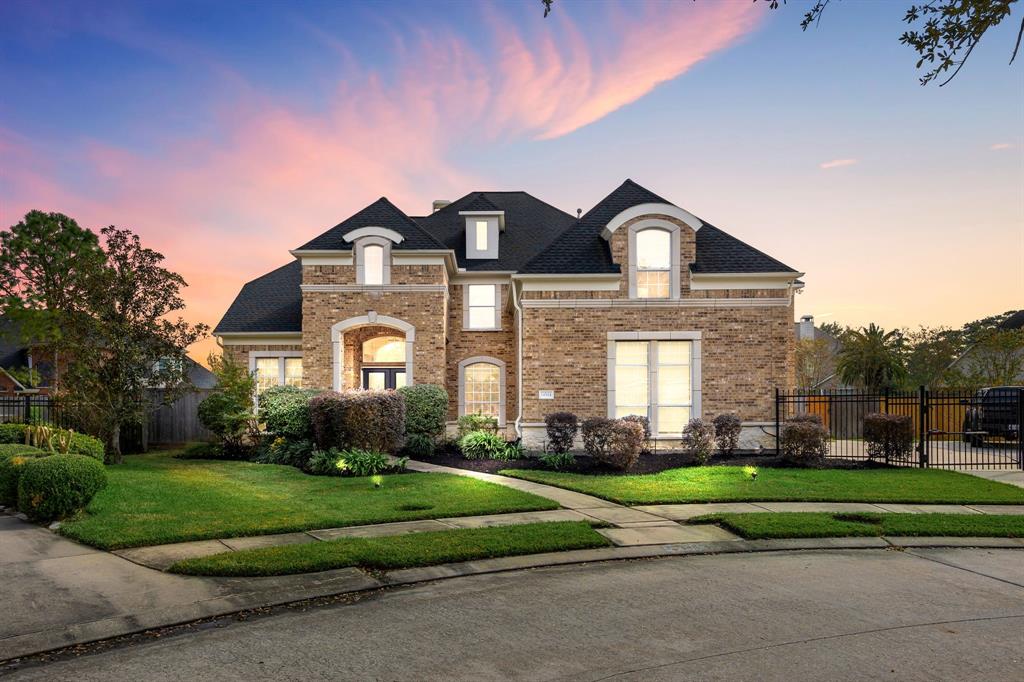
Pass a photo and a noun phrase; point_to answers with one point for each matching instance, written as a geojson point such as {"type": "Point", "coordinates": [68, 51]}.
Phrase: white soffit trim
{"type": "Point", "coordinates": [259, 338]}
{"type": "Point", "coordinates": [743, 280]}
{"type": "Point", "coordinates": [651, 209]}
{"type": "Point", "coordinates": [572, 283]}
{"type": "Point", "coordinates": [371, 231]}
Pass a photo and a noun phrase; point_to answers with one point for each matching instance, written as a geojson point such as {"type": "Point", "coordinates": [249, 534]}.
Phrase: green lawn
{"type": "Point", "coordinates": [733, 484]}
{"type": "Point", "coordinates": [759, 526]}
{"type": "Point", "coordinates": [399, 551]}
{"type": "Point", "coordinates": [156, 499]}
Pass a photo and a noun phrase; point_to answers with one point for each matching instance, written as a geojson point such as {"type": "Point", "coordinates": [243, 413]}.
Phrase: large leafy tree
{"type": "Point", "coordinates": [929, 354]}
{"type": "Point", "coordinates": [996, 358]}
{"type": "Point", "coordinates": [130, 341]}
{"type": "Point", "coordinates": [871, 358]}
{"type": "Point", "coordinates": [47, 262]}
{"type": "Point", "coordinates": [943, 33]}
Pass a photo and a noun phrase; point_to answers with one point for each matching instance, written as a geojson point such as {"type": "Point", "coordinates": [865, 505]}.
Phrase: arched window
{"type": "Point", "coordinates": [653, 263]}
{"type": "Point", "coordinates": [482, 387]}
{"type": "Point", "coordinates": [373, 264]}
{"type": "Point", "coordinates": [390, 349]}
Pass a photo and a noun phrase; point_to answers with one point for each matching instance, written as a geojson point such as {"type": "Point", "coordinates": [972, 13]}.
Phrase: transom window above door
{"type": "Point", "coordinates": [384, 349]}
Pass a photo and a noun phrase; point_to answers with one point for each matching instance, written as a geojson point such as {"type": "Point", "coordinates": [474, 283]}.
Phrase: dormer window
{"type": "Point", "coordinates": [482, 230]}
{"type": "Point", "coordinates": [373, 261]}
{"type": "Point", "coordinates": [654, 259]}
{"type": "Point", "coordinates": [481, 235]}
{"type": "Point", "coordinates": [373, 264]}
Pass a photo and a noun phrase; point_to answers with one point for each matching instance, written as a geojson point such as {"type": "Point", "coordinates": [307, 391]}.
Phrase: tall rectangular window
{"type": "Point", "coordinates": [481, 235]}
{"type": "Point", "coordinates": [653, 379]}
{"type": "Point", "coordinates": [653, 263]}
{"type": "Point", "coordinates": [482, 306]}
{"type": "Point", "coordinates": [293, 372]}
{"type": "Point", "coordinates": [373, 264]}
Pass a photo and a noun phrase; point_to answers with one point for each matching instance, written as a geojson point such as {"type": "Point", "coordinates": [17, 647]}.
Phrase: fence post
{"type": "Point", "coordinates": [777, 434]}
{"type": "Point", "coordinates": [1020, 425]}
{"type": "Point", "coordinates": [922, 426]}
{"type": "Point", "coordinates": [28, 408]}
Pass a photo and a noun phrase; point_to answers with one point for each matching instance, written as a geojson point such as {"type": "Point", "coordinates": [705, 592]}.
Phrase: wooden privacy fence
{"type": "Point", "coordinates": [176, 422]}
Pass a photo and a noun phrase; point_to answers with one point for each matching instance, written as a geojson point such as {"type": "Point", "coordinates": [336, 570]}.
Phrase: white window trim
{"type": "Point", "coordinates": [497, 307]}
{"type": "Point", "coordinates": [674, 270]}
{"type": "Point", "coordinates": [501, 384]}
{"type": "Point", "coordinates": [492, 236]}
{"type": "Point", "coordinates": [695, 372]}
{"type": "Point", "coordinates": [280, 355]}
{"type": "Point", "coordinates": [361, 244]}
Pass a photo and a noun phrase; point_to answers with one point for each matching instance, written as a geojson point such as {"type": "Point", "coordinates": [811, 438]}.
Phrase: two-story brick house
{"type": "Point", "coordinates": [519, 310]}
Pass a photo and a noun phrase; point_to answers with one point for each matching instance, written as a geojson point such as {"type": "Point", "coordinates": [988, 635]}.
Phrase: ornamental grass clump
{"type": "Point", "coordinates": [487, 445]}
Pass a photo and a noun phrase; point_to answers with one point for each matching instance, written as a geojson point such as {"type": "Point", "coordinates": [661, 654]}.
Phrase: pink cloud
{"type": "Point", "coordinates": [999, 146]}
{"type": "Point", "coordinates": [266, 175]}
{"type": "Point", "coordinates": [837, 163]}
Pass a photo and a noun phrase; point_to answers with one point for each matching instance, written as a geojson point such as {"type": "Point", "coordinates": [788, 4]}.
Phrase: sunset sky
{"type": "Point", "coordinates": [227, 133]}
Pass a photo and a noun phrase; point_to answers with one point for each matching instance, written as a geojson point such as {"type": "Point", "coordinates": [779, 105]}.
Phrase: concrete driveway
{"type": "Point", "coordinates": [834, 615]}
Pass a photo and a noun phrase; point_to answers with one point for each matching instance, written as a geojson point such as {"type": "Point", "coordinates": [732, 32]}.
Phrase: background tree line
{"type": "Point", "coordinates": [981, 353]}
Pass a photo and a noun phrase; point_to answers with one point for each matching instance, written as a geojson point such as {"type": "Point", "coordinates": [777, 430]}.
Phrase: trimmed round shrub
{"type": "Point", "coordinates": [373, 420]}
{"type": "Point", "coordinates": [426, 409]}
{"type": "Point", "coordinates": [285, 411]}
{"type": "Point", "coordinates": [12, 433]}
{"type": "Point", "coordinates": [58, 486]}
{"type": "Point", "coordinates": [727, 433]}
{"type": "Point", "coordinates": [82, 444]}
{"type": "Point", "coordinates": [562, 428]}
{"type": "Point", "coordinates": [614, 442]}
{"type": "Point", "coordinates": [325, 413]}
{"type": "Point", "coordinates": [889, 436]}
{"type": "Point", "coordinates": [12, 461]}
{"type": "Point", "coordinates": [645, 424]}
{"type": "Point", "coordinates": [804, 440]}
{"type": "Point", "coordinates": [699, 436]}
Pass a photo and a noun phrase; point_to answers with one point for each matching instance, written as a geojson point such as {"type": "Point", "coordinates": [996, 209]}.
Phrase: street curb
{"type": "Point", "coordinates": [352, 581]}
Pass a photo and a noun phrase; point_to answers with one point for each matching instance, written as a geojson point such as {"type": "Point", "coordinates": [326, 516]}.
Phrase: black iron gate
{"type": "Point", "coordinates": [952, 429]}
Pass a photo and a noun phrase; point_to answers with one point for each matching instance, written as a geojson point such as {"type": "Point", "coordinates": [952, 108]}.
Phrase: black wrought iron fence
{"type": "Point", "coordinates": [952, 429]}
{"type": "Point", "coordinates": [28, 409]}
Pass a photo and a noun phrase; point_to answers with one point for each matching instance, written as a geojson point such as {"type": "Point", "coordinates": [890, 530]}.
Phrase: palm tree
{"type": "Point", "coordinates": [871, 358]}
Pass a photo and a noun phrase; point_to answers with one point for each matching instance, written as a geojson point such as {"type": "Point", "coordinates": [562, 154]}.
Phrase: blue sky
{"type": "Point", "coordinates": [199, 124]}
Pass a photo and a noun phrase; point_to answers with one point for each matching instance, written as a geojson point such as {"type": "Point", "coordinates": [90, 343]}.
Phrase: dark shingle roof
{"type": "Point", "coordinates": [381, 213]}
{"type": "Point", "coordinates": [530, 227]}
{"type": "Point", "coordinates": [1015, 321]}
{"type": "Point", "coordinates": [581, 249]}
{"type": "Point", "coordinates": [271, 303]}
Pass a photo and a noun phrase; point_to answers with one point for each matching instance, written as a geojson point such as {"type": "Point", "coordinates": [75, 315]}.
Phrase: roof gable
{"type": "Point", "coordinates": [381, 213]}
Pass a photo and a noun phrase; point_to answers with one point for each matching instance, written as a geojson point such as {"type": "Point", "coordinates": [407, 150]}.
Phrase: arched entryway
{"type": "Point", "coordinates": [372, 351]}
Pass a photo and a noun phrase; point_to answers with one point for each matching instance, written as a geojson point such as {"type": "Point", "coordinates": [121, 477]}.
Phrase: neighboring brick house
{"type": "Point", "coordinates": [519, 310]}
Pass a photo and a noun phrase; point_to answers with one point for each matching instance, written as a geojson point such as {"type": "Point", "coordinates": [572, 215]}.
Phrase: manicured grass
{"type": "Point", "coordinates": [734, 484]}
{"type": "Point", "coordinates": [759, 526]}
{"type": "Point", "coordinates": [156, 499]}
{"type": "Point", "coordinates": [398, 551]}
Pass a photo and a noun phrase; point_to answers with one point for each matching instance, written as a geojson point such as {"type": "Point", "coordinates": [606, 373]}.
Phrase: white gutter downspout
{"type": "Point", "coordinates": [519, 361]}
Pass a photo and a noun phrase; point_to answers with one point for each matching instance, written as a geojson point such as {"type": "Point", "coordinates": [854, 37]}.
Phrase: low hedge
{"type": "Point", "coordinates": [12, 461]}
{"type": "Point", "coordinates": [58, 486]}
{"type": "Point", "coordinates": [81, 444]}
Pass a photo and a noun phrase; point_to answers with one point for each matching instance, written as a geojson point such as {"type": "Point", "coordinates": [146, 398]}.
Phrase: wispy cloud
{"type": "Point", "coordinates": [837, 163]}
{"type": "Point", "coordinates": [1000, 145]}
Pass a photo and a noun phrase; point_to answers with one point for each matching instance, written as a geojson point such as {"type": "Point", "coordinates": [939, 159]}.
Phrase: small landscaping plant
{"type": "Point", "coordinates": [352, 462]}
{"type": "Point", "coordinates": [557, 460]}
{"type": "Point", "coordinates": [12, 460]}
{"type": "Point", "coordinates": [208, 451]}
{"type": "Point", "coordinates": [59, 486]}
{"type": "Point", "coordinates": [562, 428]}
{"type": "Point", "coordinates": [804, 440]}
{"type": "Point", "coordinates": [613, 442]}
{"type": "Point", "coordinates": [476, 422]}
{"type": "Point", "coordinates": [487, 445]}
{"type": "Point", "coordinates": [426, 411]}
{"type": "Point", "coordinates": [295, 453]}
{"type": "Point", "coordinates": [285, 412]}
{"type": "Point", "coordinates": [727, 433]}
{"type": "Point", "coordinates": [228, 411]}
{"type": "Point", "coordinates": [699, 437]}
{"type": "Point", "coordinates": [645, 424]}
{"type": "Point", "coordinates": [889, 436]}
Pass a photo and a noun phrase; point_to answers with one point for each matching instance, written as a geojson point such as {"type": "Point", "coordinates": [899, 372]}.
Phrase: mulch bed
{"type": "Point", "coordinates": [647, 464]}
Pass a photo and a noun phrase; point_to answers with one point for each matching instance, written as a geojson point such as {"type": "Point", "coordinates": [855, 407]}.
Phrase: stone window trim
{"type": "Point", "coordinates": [280, 355]}
{"type": "Point", "coordinates": [695, 369]}
{"type": "Point", "coordinates": [501, 384]}
{"type": "Point", "coordinates": [338, 330]}
{"type": "Point", "coordinates": [360, 245]}
{"type": "Point", "coordinates": [497, 306]}
{"type": "Point", "coordinates": [493, 228]}
{"type": "Point", "coordinates": [675, 274]}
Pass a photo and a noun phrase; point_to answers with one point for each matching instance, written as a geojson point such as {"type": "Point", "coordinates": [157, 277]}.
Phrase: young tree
{"type": "Point", "coordinates": [46, 264]}
{"type": "Point", "coordinates": [127, 343]}
{"type": "Point", "coordinates": [814, 362]}
{"type": "Point", "coordinates": [929, 354]}
{"type": "Point", "coordinates": [871, 358]}
{"type": "Point", "coordinates": [996, 359]}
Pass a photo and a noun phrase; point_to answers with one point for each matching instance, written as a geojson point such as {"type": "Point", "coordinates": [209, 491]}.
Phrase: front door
{"type": "Point", "coordinates": [380, 378]}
